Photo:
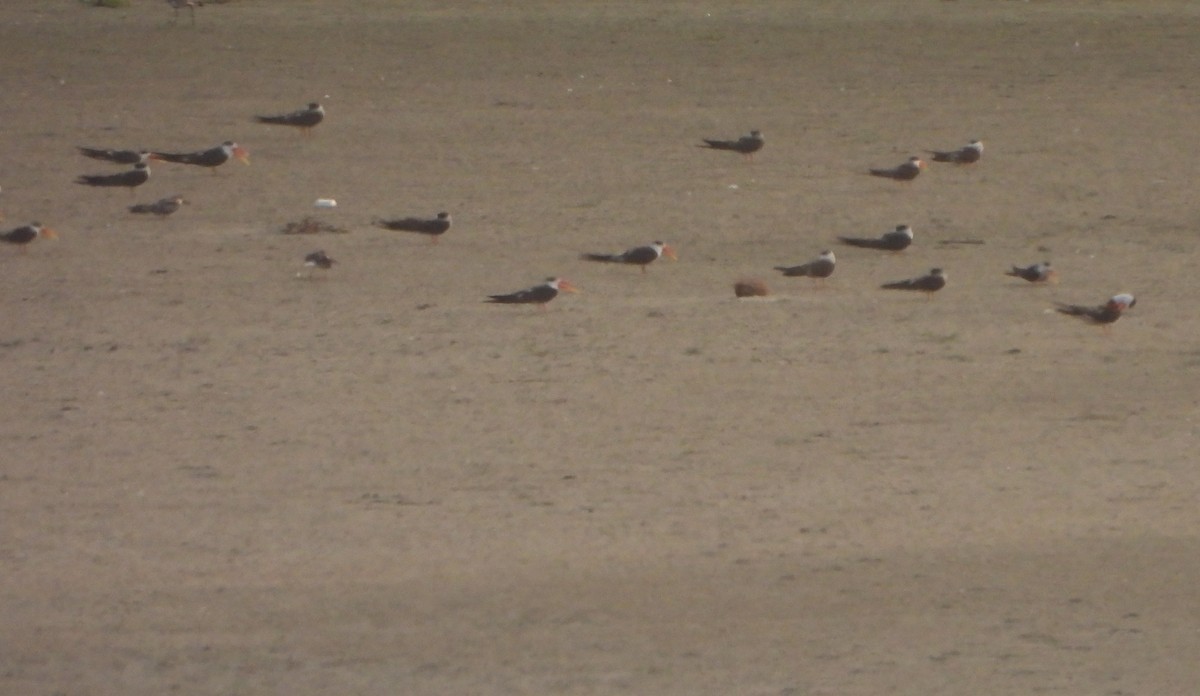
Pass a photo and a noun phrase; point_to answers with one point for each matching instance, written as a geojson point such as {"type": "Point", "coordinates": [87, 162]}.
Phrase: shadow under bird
{"type": "Point", "coordinates": [747, 144]}
{"type": "Point", "coordinates": [538, 294]}
{"type": "Point", "coordinates": [898, 239]}
{"type": "Point", "coordinates": [1036, 273]}
{"type": "Point", "coordinates": [304, 119]}
{"type": "Point", "coordinates": [212, 157]}
{"type": "Point", "coordinates": [162, 207]}
{"type": "Point", "coordinates": [820, 267]}
{"type": "Point", "coordinates": [1106, 313]}
{"type": "Point", "coordinates": [970, 153]}
{"type": "Point", "coordinates": [929, 283]}
{"type": "Point", "coordinates": [434, 227]}
{"type": "Point", "coordinates": [115, 156]}
{"type": "Point", "coordinates": [131, 179]}
{"type": "Point", "coordinates": [639, 256]}
{"type": "Point", "coordinates": [903, 172]}
{"type": "Point", "coordinates": [22, 236]}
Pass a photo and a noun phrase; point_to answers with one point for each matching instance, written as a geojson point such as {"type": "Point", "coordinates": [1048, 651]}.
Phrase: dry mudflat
{"type": "Point", "coordinates": [219, 478]}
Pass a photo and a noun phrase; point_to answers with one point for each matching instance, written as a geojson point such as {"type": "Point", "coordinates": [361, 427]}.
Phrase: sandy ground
{"type": "Point", "coordinates": [220, 479]}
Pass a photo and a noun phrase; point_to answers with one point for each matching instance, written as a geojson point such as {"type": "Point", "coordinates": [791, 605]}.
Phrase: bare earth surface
{"type": "Point", "coordinates": [218, 478]}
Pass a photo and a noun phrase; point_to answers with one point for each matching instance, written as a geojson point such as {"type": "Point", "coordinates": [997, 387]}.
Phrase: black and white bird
{"type": "Point", "coordinates": [1106, 313]}
{"type": "Point", "coordinates": [820, 267]}
{"type": "Point", "coordinates": [213, 157]}
{"type": "Point", "coordinates": [434, 227]}
{"type": "Point", "coordinates": [115, 156]}
{"type": "Point", "coordinates": [161, 208]}
{"type": "Point", "coordinates": [929, 283]}
{"type": "Point", "coordinates": [747, 144]}
{"type": "Point", "coordinates": [1037, 273]}
{"type": "Point", "coordinates": [316, 260]}
{"type": "Point", "coordinates": [305, 119]}
{"type": "Point", "coordinates": [902, 172]}
{"type": "Point", "coordinates": [639, 256]}
{"type": "Point", "coordinates": [538, 294]}
{"type": "Point", "coordinates": [130, 179]}
{"type": "Point", "coordinates": [898, 239]}
{"type": "Point", "coordinates": [970, 153]}
{"type": "Point", "coordinates": [22, 236]}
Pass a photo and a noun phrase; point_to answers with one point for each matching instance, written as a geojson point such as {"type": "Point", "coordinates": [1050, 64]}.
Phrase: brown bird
{"type": "Point", "coordinates": [162, 207]}
{"type": "Point", "coordinates": [434, 227]}
{"type": "Point", "coordinates": [538, 294]}
{"type": "Point", "coordinates": [1106, 313]}
{"type": "Point", "coordinates": [639, 256]}
{"type": "Point", "coordinates": [898, 239]}
{"type": "Point", "coordinates": [22, 236]}
{"type": "Point", "coordinates": [904, 172]}
{"type": "Point", "coordinates": [747, 144]}
{"type": "Point", "coordinates": [1037, 273]}
{"type": "Point", "coordinates": [304, 119]}
{"type": "Point", "coordinates": [967, 154]}
{"type": "Point", "coordinates": [929, 283]}
{"type": "Point", "coordinates": [820, 267]}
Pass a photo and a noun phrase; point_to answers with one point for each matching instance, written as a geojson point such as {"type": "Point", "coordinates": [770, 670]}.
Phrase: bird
{"type": "Point", "coordinates": [904, 172]}
{"type": "Point", "coordinates": [317, 260]}
{"type": "Point", "coordinates": [820, 267]}
{"type": "Point", "coordinates": [747, 144]}
{"type": "Point", "coordinates": [178, 5]}
{"type": "Point", "coordinates": [132, 178]}
{"type": "Point", "coordinates": [1036, 273]}
{"type": "Point", "coordinates": [1106, 313]}
{"type": "Point", "coordinates": [898, 239]}
{"type": "Point", "coordinates": [639, 256]}
{"type": "Point", "coordinates": [538, 294]}
{"type": "Point", "coordinates": [22, 236]}
{"type": "Point", "coordinates": [162, 207]}
{"type": "Point", "coordinates": [212, 157]}
{"type": "Point", "coordinates": [929, 283]}
{"type": "Point", "coordinates": [434, 227]}
{"type": "Point", "coordinates": [115, 156]}
{"type": "Point", "coordinates": [967, 154]}
{"type": "Point", "coordinates": [304, 119]}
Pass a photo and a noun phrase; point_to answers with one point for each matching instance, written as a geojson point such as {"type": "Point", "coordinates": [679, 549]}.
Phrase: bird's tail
{"type": "Point", "coordinates": [607, 258]}
{"type": "Point", "coordinates": [277, 120]}
{"type": "Point", "coordinates": [177, 157]}
{"type": "Point", "coordinates": [141, 208]}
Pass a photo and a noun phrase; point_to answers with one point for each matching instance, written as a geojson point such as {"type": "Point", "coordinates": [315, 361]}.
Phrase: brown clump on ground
{"type": "Point", "coordinates": [218, 481]}
{"type": "Point", "coordinates": [750, 287]}
{"type": "Point", "coordinates": [311, 225]}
